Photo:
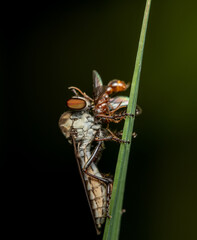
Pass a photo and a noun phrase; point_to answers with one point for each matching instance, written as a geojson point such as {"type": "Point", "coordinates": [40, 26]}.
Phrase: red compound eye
{"type": "Point", "coordinates": [76, 104]}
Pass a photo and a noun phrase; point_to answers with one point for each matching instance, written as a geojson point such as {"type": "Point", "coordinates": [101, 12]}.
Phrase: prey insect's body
{"type": "Point", "coordinates": [107, 108]}
{"type": "Point", "coordinates": [83, 126]}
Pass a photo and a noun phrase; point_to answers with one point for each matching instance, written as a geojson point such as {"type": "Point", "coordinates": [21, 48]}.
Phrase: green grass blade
{"type": "Point", "coordinates": [112, 226]}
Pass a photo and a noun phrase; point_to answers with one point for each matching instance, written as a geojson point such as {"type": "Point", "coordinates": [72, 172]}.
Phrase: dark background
{"type": "Point", "coordinates": [47, 47]}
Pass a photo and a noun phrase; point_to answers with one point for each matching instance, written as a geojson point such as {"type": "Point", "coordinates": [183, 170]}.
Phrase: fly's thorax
{"type": "Point", "coordinates": [81, 125]}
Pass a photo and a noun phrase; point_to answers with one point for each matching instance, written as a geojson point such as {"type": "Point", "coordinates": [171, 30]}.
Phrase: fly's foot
{"type": "Point", "coordinates": [111, 138]}
{"type": "Point", "coordinates": [134, 134]}
{"type": "Point", "coordinates": [124, 114]}
{"type": "Point", "coordinates": [125, 141]}
{"type": "Point", "coordinates": [130, 114]}
{"type": "Point", "coordinates": [138, 110]}
{"type": "Point", "coordinates": [119, 140]}
{"type": "Point", "coordinates": [123, 211]}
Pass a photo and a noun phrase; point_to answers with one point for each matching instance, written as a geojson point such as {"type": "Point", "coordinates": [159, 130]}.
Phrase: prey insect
{"type": "Point", "coordinates": [83, 126]}
{"type": "Point", "coordinates": [111, 109]}
{"type": "Point", "coordinates": [107, 109]}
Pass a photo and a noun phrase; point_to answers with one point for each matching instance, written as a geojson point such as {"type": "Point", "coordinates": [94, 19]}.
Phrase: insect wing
{"type": "Point", "coordinates": [97, 81]}
{"type": "Point", "coordinates": [98, 87]}
{"type": "Point", "coordinates": [83, 181]}
{"type": "Point", "coordinates": [121, 101]}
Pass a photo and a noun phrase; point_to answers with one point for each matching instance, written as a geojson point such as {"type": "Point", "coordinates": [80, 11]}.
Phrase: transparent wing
{"type": "Point", "coordinates": [97, 81]}
{"type": "Point", "coordinates": [83, 181]}
{"type": "Point", "coordinates": [120, 101]}
{"type": "Point", "coordinates": [98, 88]}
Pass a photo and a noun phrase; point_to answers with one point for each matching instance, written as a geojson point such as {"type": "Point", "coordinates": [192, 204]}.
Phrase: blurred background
{"type": "Point", "coordinates": [47, 47]}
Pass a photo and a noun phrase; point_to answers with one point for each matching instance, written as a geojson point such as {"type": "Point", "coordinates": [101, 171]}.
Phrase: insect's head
{"type": "Point", "coordinates": [79, 103]}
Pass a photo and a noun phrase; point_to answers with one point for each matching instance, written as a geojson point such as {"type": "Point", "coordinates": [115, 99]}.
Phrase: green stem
{"type": "Point", "coordinates": [112, 227]}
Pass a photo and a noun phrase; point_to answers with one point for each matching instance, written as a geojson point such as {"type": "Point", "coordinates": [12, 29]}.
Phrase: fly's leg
{"type": "Point", "coordinates": [111, 137]}
{"type": "Point", "coordinates": [123, 114]}
{"type": "Point", "coordinates": [138, 110]}
{"type": "Point", "coordinates": [108, 182]}
{"type": "Point", "coordinates": [94, 155]}
{"type": "Point", "coordinates": [109, 192]}
{"type": "Point", "coordinates": [115, 137]}
{"type": "Point", "coordinates": [116, 118]}
{"type": "Point", "coordinates": [119, 134]}
{"type": "Point", "coordinates": [134, 134]}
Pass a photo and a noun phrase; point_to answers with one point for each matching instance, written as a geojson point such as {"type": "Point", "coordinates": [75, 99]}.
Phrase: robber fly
{"type": "Point", "coordinates": [83, 127]}
{"type": "Point", "coordinates": [80, 127]}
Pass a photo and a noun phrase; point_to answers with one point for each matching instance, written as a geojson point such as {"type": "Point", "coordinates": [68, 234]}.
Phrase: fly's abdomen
{"type": "Point", "coordinates": [97, 195]}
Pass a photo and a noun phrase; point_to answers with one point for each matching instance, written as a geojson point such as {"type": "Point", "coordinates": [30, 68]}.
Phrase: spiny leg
{"type": "Point", "coordinates": [108, 182]}
{"type": "Point", "coordinates": [138, 111]}
{"type": "Point", "coordinates": [115, 137]}
{"type": "Point", "coordinates": [116, 118]}
{"type": "Point", "coordinates": [111, 137]}
{"type": "Point", "coordinates": [93, 156]}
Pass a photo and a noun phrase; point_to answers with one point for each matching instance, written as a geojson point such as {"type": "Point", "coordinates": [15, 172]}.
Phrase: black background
{"type": "Point", "coordinates": [47, 47]}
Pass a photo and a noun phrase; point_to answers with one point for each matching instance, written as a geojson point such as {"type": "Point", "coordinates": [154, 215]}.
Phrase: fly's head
{"type": "Point", "coordinates": [73, 120]}
{"type": "Point", "coordinates": [77, 103]}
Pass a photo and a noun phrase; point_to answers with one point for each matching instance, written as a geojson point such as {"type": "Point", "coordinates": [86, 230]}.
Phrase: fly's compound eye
{"type": "Point", "coordinates": [77, 104]}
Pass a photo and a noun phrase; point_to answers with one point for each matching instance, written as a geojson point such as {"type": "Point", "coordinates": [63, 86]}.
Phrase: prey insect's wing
{"type": "Point", "coordinates": [83, 181]}
{"type": "Point", "coordinates": [121, 101]}
{"type": "Point", "coordinates": [98, 87]}
{"type": "Point", "coordinates": [97, 81]}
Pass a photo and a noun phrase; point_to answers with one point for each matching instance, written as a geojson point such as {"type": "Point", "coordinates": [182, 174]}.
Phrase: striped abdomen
{"type": "Point", "coordinates": [97, 192]}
